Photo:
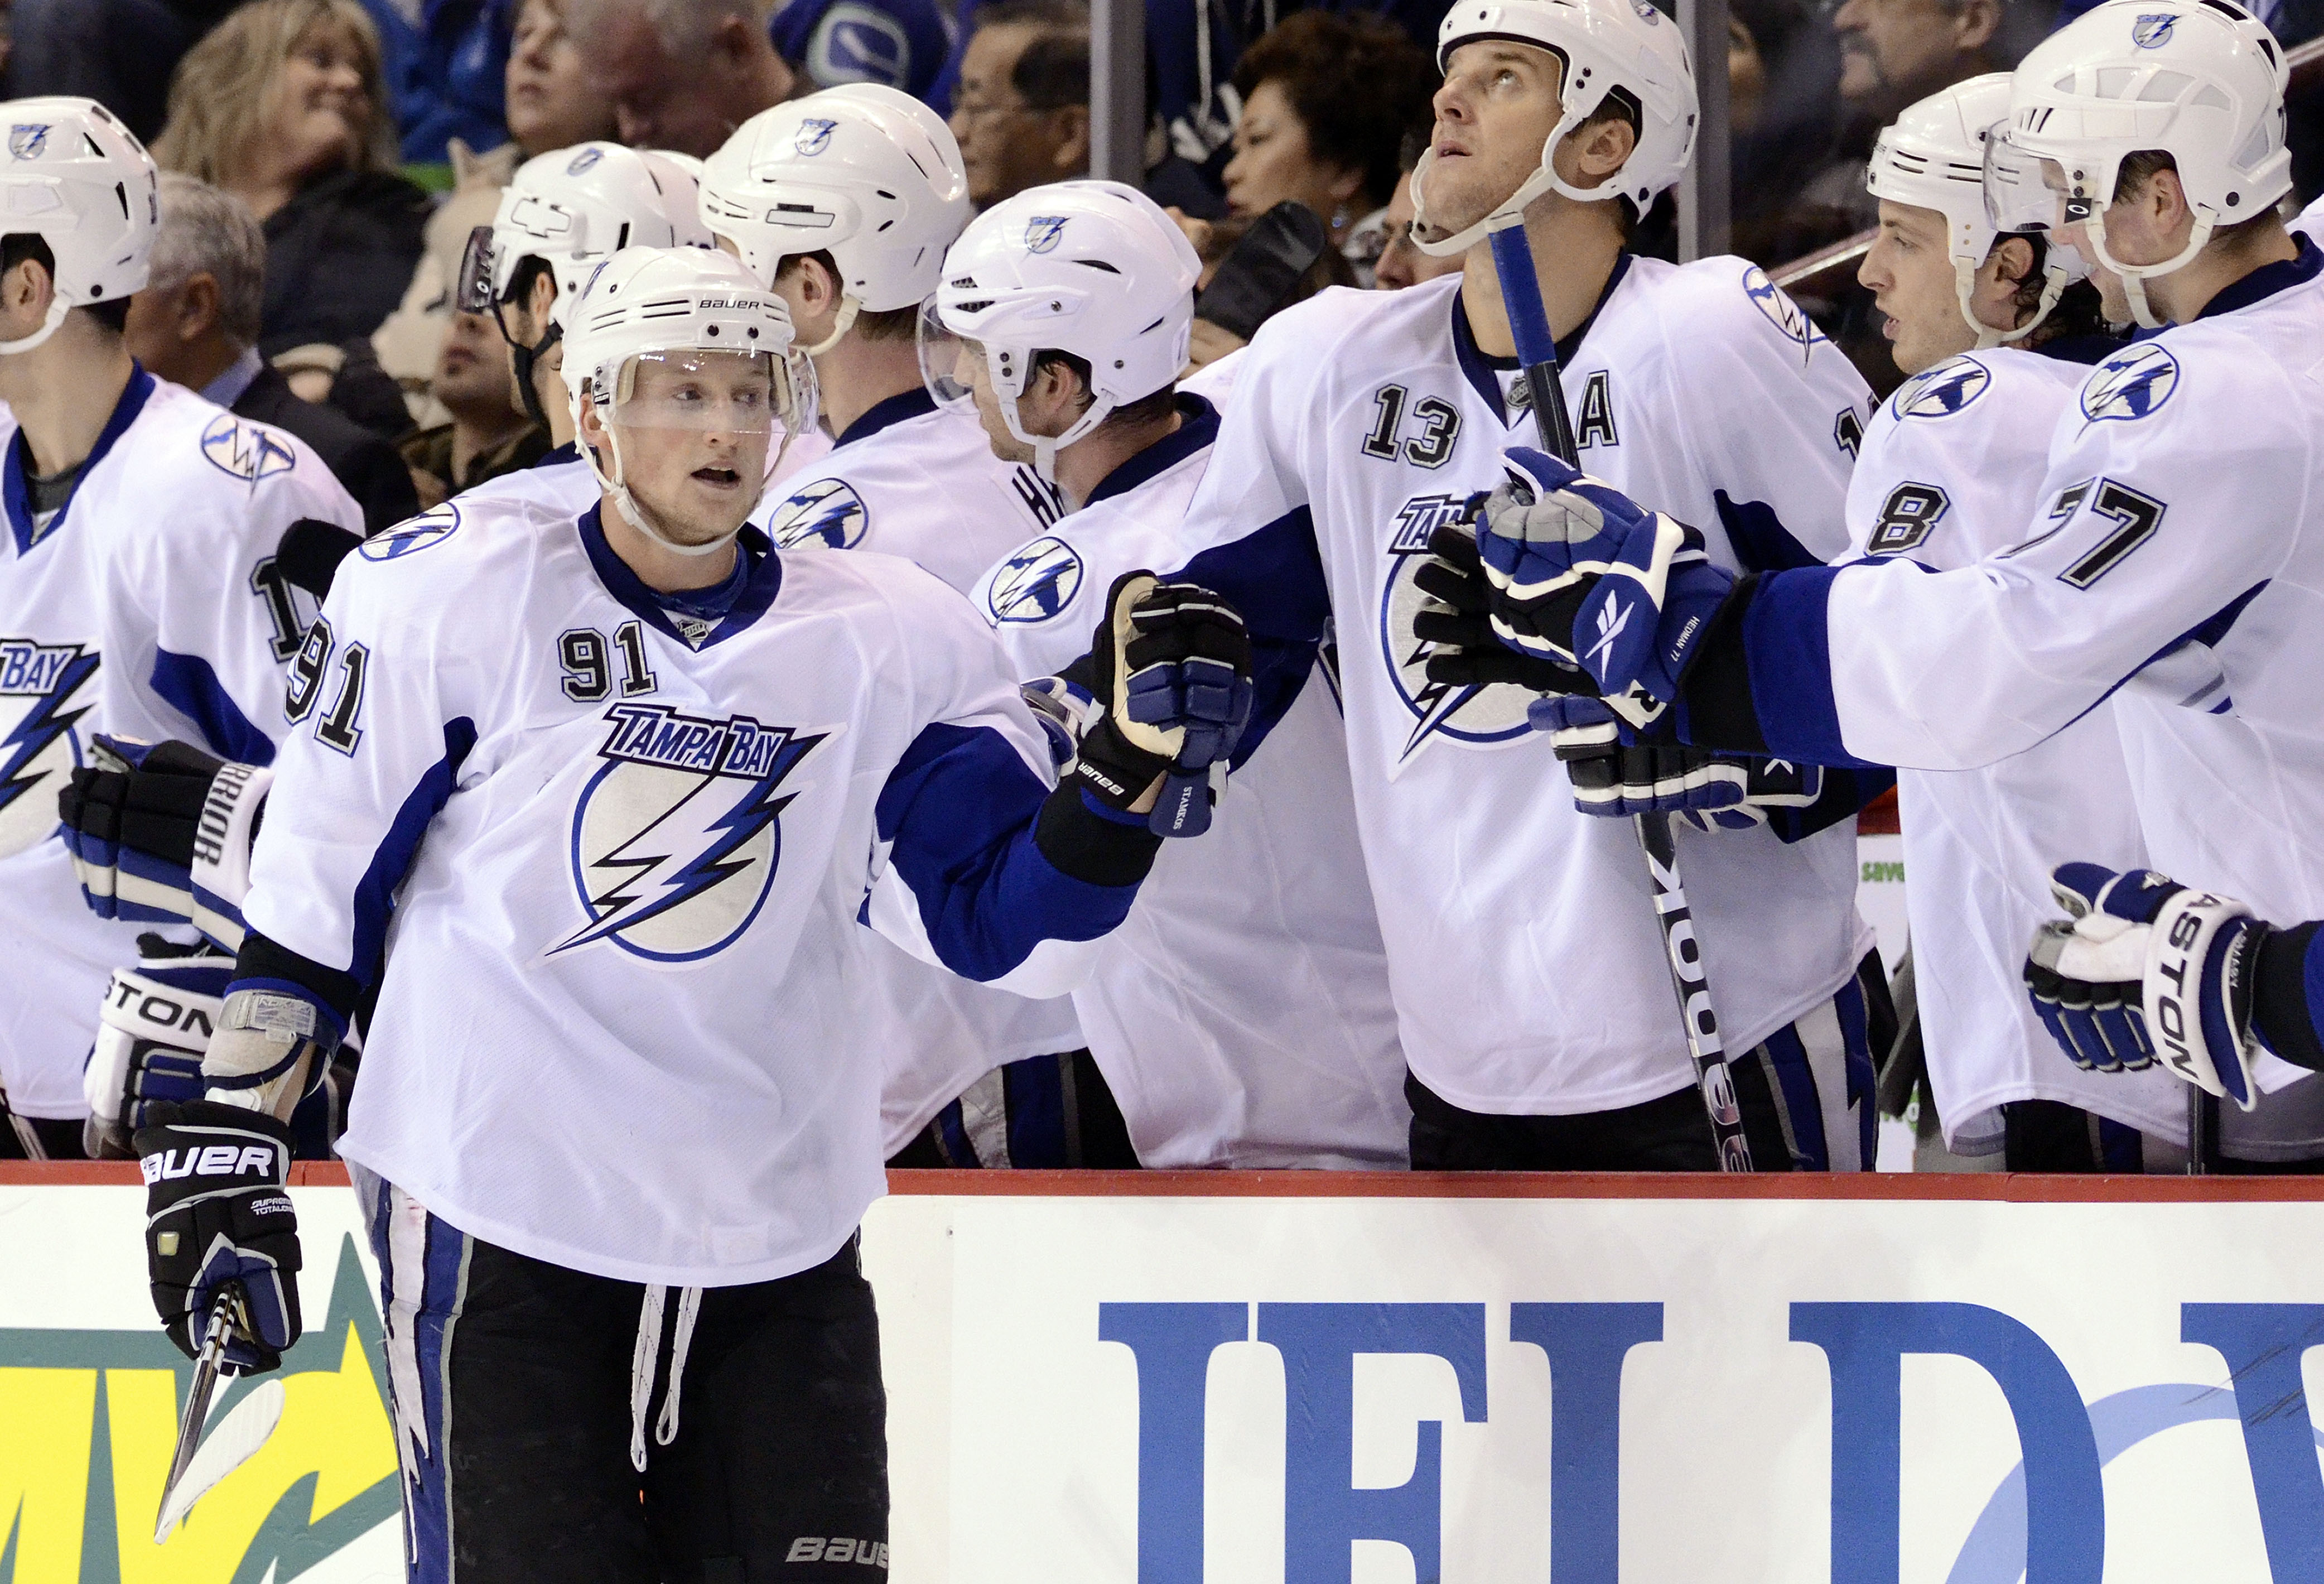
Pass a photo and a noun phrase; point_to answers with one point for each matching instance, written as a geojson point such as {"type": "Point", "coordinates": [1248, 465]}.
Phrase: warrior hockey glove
{"type": "Point", "coordinates": [2148, 968]}
{"type": "Point", "coordinates": [1171, 672]}
{"type": "Point", "coordinates": [1456, 621]}
{"type": "Point", "coordinates": [216, 1213]}
{"type": "Point", "coordinates": [163, 833]}
{"type": "Point", "coordinates": [1581, 573]}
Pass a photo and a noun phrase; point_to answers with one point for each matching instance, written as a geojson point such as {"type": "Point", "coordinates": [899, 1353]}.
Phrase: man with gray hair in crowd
{"type": "Point", "coordinates": [196, 323]}
{"type": "Point", "coordinates": [681, 74]}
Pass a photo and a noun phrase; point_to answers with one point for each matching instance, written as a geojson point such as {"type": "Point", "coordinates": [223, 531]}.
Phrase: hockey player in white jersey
{"type": "Point", "coordinates": [2169, 559]}
{"type": "Point", "coordinates": [842, 204]}
{"type": "Point", "coordinates": [618, 1115]}
{"type": "Point", "coordinates": [1949, 471]}
{"type": "Point", "coordinates": [140, 595]}
{"type": "Point", "coordinates": [1240, 1014]}
{"type": "Point", "coordinates": [1526, 963]}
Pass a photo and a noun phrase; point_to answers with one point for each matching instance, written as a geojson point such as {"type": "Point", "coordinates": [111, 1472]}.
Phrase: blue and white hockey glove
{"type": "Point", "coordinates": [1616, 774]}
{"type": "Point", "coordinates": [163, 832]}
{"type": "Point", "coordinates": [1581, 573]}
{"type": "Point", "coordinates": [217, 1213]}
{"type": "Point", "coordinates": [1171, 672]}
{"type": "Point", "coordinates": [151, 1031]}
{"type": "Point", "coordinates": [2149, 969]}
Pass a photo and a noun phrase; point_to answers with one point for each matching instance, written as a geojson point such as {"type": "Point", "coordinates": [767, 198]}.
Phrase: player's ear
{"type": "Point", "coordinates": [2011, 262]}
{"type": "Point", "coordinates": [26, 288]}
{"type": "Point", "coordinates": [542, 296]}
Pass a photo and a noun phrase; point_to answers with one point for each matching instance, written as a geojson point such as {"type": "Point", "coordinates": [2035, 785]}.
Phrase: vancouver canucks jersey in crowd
{"type": "Point", "coordinates": [146, 605]}
{"type": "Point", "coordinates": [1240, 1014]}
{"type": "Point", "coordinates": [1947, 476]}
{"type": "Point", "coordinates": [2178, 533]}
{"type": "Point", "coordinates": [621, 1026]}
{"type": "Point", "coordinates": [907, 478]}
{"type": "Point", "coordinates": [1524, 956]}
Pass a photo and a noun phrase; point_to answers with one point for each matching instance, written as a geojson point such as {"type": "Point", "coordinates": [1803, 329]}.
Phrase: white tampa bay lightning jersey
{"type": "Point", "coordinates": [147, 605]}
{"type": "Point", "coordinates": [912, 479]}
{"type": "Point", "coordinates": [621, 1022]}
{"type": "Point", "coordinates": [1525, 960]}
{"type": "Point", "coordinates": [1242, 1013]}
{"type": "Point", "coordinates": [1947, 476]}
{"type": "Point", "coordinates": [2179, 534]}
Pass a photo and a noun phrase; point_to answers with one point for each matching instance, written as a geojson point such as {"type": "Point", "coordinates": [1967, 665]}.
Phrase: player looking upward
{"type": "Point", "coordinates": [1527, 969]}
{"type": "Point", "coordinates": [619, 1115]}
{"type": "Point", "coordinates": [2169, 558]}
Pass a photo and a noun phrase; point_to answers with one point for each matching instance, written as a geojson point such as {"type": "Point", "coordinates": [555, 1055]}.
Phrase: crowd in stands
{"type": "Point", "coordinates": [330, 157]}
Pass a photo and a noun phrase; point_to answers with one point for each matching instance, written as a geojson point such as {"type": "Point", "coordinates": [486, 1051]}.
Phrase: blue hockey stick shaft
{"type": "Point", "coordinates": [1681, 944]}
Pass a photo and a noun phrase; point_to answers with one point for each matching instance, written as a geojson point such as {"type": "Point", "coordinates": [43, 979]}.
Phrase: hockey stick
{"type": "Point", "coordinates": [2202, 1128]}
{"type": "Point", "coordinates": [238, 1436]}
{"type": "Point", "coordinates": [1537, 353]}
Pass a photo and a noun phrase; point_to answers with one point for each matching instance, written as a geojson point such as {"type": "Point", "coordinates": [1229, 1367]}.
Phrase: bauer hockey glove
{"type": "Point", "coordinates": [1171, 672]}
{"type": "Point", "coordinates": [2149, 969]}
{"type": "Point", "coordinates": [1581, 573]}
{"type": "Point", "coordinates": [164, 832]}
{"type": "Point", "coordinates": [1455, 621]}
{"type": "Point", "coordinates": [217, 1213]}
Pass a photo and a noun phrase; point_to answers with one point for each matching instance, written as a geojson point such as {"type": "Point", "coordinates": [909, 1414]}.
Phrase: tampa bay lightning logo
{"type": "Point", "coordinates": [412, 535]}
{"type": "Point", "coordinates": [2153, 29]}
{"type": "Point", "coordinates": [676, 840]}
{"type": "Point", "coordinates": [583, 160]}
{"type": "Point", "coordinates": [1942, 391]}
{"type": "Point", "coordinates": [246, 451]}
{"type": "Point", "coordinates": [1476, 717]}
{"type": "Point", "coordinates": [828, 512]}
{"type": "Point", "coordinates": [1044, 232]}
{"type": "Point", "coordinates": [814, 134]}
{"type": "Point", "coordinates": [1036, 582]}
{"type": "Point", "coordinates": [1784, 314]}
{"type": "Point", "coordinates": [44, 690]}
{"type": "Point", "coordinates": [1646, 13]}
{"type": "Point", "coordinates": [2131, 385]}
{"type": "Point", "coordinates": [28, 143]}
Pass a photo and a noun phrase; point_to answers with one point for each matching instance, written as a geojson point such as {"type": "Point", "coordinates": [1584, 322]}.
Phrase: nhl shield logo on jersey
{"type": "Point", "coordinates": [246, 451]}
{"type": "Point", "coordinates": [1044, 232]}
{"type": "Point", "coordinates": [28, 143]}
{"type": "Point", "coordinates": [1782, 312]}
{"type": "Point", "coordinates": [1474, 717]}
{"type": "Point", "coordinates": [1944, 390]}
{"type": "Point", "coordinates": [676, 840]}
{"type": "Point", "coordinates": [1036, 582]}
{"type": "Point", "coordinates": [814, 135]}
{"type": "Point", "coordinates": [412, 534]}
{"type": "Point", "coordinates": [44, 689]}
{"type": "Point", "coordinates": [2131, 385]}
{"type": "Point", "coordinates": [828, 512]}
{"type": "Point", "coordinates": [2153, 29]}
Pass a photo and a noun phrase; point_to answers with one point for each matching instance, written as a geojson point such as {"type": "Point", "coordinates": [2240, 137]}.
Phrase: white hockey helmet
{"type": "Point", "coordinates": [1091, 268]}
{"type": "Point", "coordinates": [573, 208]}
{"type": "Point", "coordinates": [864, 173]}
{"type": "Point", "coordinates": [1607, 46]}
{"type": "Point", "coordinates": [675, 304]}
{"type": "Point", "coordinates": [2202, 81]}
{"type": "Point", "coordinates": [77, 178]}
{"type": "Point", "coordinates": [1933, 157]}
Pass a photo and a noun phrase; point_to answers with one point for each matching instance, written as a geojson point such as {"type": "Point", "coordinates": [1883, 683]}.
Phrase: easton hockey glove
{"type": "Point", "coordinates": [216, 1213]}
{"type": "Point", "coordinates": [156, 1022]}
{"type": "Point", "coordinates": [164, 832]}
{"type": "Point", "coordinates": [1171, 672]}
{"type": "Point", "coordinates": [2149, 969]}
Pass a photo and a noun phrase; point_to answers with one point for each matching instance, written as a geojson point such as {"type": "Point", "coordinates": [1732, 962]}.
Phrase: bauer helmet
{"type": "Point", "coordinates": [677, 306]}
{"type": "Point", "coordinates": [573, 209]}
{"type": "Point", "coordinates": [78, 180]}
{"type": "Point", "coordinates": [1607, 47]}
{"type": "Point", "coordinates": [863, 172]}
{"type": "Point", "coordinates": [1093, 268]}
{"type": "Point", "coordinates": [1933, 157]}
{"type": "Point", "coordinates": [2202, 82]}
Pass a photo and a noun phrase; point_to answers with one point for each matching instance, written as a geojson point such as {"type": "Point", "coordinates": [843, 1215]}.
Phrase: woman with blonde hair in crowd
{"type": "Point", "coordinates": [284, 107]}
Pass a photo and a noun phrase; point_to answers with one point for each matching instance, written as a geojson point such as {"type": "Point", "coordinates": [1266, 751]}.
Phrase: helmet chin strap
{"type": "Point", "coordinates": [2134, 277]}
{"type": "Point", "coordinates": [843, 320]}
{"type": "Point", "coordinates": [58, 309]}
{"type": "Point", "coordinates": [1045, 447]}
{"type": "Point", "coordinates": [1511, 209]}
{"type": "Point", "coordinates": [523, 359]}
{"type": "Point", "coordinates": [2055, 279]}
{"type": "Point", "coordinates": [633, 510]}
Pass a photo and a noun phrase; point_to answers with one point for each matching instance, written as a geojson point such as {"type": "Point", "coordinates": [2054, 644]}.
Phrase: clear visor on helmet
{"type": "Point", "coordinates": [949, 364]}
{"type": "Point", "coordinates": [2025, 191]}
{"type": "Point", "coordinates": [719, 393]}
{"type": "Point", "coordinates": [472, 293]}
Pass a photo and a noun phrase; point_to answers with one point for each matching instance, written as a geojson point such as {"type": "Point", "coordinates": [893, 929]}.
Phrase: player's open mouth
{"type": "Point", "coordinates": [719, 477]}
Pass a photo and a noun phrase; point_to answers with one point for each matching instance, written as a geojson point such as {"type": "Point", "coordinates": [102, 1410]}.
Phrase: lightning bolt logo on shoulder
{"type": "Point", "coordinates": [2133, 384]}
{"type": "Point", "coordinates": [44, 690]}
{"type": "Point", "coordinates": [246, 451]}
{"type": "Point", "coordinates": [677, 839]}
{"type": "Point", "coordinates": [1942, 391]}
{"type": "Point", "coordinates": [1036, 582]}
{"type": "Point", "coordinates": [828, 512]}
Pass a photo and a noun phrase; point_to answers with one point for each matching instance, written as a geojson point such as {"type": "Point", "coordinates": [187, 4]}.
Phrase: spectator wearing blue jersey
{"type": "Point", "coordinates": [899, 43]}
{"type": "Point", "coordinates": [445, 61]}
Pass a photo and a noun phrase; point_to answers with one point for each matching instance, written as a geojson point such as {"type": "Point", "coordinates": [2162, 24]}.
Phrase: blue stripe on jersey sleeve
{"type": "Point", "coordinates": [960, 808]}
{"type": "Point", "coordinates": [1762, 544]}
{"type": "Point", "coordinates": [1789, 649]}
{"type": "Point", "coordinates": [1275, 578]}
{"type": "Point", "coordinates": [391, 860]}
{"type": "Point", "coordinates": [187, 685]}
